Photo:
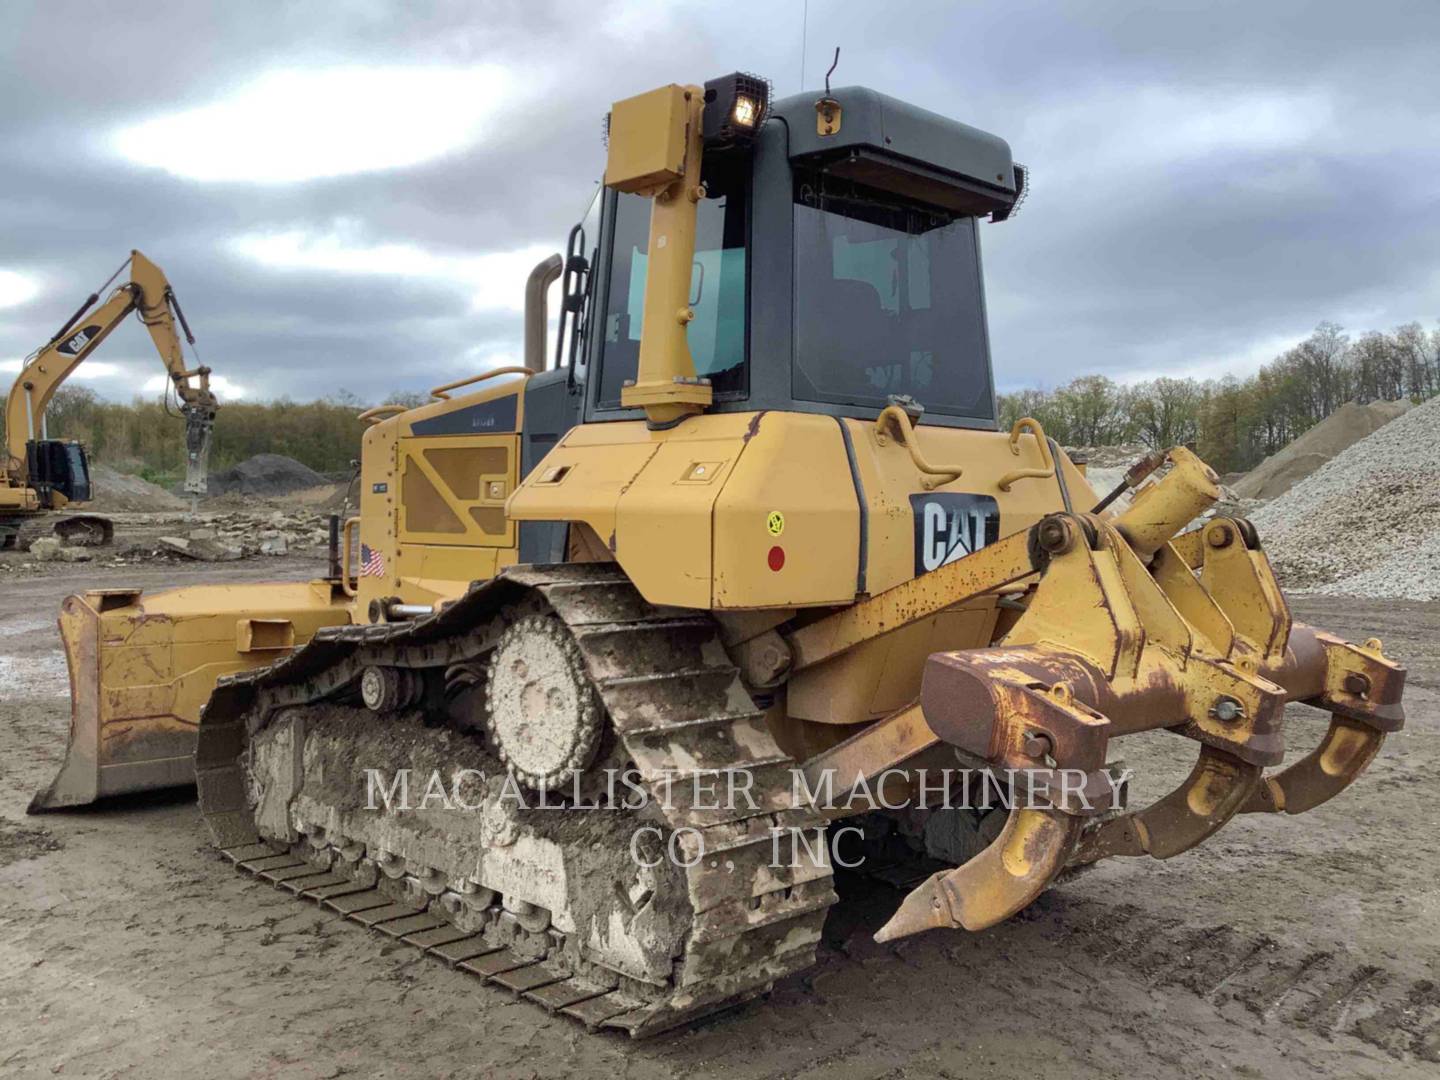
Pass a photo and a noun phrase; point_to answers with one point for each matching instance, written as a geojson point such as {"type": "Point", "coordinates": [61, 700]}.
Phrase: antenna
{"type": "Point", "coordinates": [833, 66]}
{"type": "Point", "coordinates": [804, 25]}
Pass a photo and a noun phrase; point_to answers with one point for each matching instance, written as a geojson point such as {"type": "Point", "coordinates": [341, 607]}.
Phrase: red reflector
{"type": "Point", "coordinates": [777, 557]}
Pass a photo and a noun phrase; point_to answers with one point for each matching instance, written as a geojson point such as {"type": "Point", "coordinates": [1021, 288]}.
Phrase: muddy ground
{"type": "Point", "coordinates": [1304, 946]}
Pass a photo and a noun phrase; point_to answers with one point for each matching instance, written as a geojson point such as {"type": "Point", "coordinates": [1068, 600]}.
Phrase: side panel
{"type": "Point", "coordinates": [896, 495]}
{"type": "Point", "coordinates": [434, 482]}
{"type": "Point", "coordinates": [767, 510]}
{"type": "Point", "coordinates": [787, 525]}
{"type": "Point", "coordinates": [663, 520]}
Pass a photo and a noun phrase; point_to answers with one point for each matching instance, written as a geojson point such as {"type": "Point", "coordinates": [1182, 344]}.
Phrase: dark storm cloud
{"type": "Point", "coordinates": [1210, 180]}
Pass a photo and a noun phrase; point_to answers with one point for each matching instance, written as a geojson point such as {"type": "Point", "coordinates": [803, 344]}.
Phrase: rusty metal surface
{"type": "Point", "coordinates": [1214, 792]}
{"type": "Point", "coordinates": [1343, 754]}
{"type": "Point", "coordinates": [1129, 630]}
{"type": "Point", "coordinates": [855, 763]}
{"type": "Point", "coordinates": [989, 568]}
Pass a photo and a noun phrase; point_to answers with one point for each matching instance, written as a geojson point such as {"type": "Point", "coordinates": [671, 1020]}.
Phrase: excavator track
{"type": "Point", "coordinates": [679, 714]}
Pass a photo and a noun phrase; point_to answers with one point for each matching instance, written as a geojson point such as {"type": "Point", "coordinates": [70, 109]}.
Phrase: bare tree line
{"type": "Point", "coordinates": [1235, 423]}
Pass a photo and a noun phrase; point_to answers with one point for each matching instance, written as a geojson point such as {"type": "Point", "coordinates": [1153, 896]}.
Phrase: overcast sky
{"type": "Point", "coordinates": [348, 195]}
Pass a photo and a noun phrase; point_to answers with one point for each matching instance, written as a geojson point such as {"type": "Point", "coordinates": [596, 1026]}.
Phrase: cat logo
{"type": "Point", "coordinates": [78, 341]}
{"type": "Point", "coordinates": [949, 526]}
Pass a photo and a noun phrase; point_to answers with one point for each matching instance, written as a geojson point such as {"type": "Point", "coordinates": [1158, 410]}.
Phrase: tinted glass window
{"type": "Point", "coordinates": [887, 301]}
{"type": "Point", "coordinates": [717, 293]}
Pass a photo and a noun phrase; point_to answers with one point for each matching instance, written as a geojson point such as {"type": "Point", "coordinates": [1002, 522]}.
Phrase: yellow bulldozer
{"type": "Point", "coordinates": [620, 638]}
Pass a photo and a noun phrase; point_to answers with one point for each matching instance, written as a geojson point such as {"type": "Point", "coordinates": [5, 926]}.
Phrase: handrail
{"type": "Point", "coordinates": [906, 434]}
{"type": "Point", "coordinates": [374, 415]}
{"type": "Point", "coordinates": [440, 393]}
{"type": "Point", "coordinates": [1047, 460]}
{"type": "Point", "coordinates": [345, 535]}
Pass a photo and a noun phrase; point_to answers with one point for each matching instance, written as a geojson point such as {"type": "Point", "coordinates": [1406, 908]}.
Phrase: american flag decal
{"type": "Point", "coordinates": [372, 563]}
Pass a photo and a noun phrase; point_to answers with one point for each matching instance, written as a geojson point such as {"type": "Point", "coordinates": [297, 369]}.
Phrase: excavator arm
{"type": "Point", "coordinates": [150, 294]}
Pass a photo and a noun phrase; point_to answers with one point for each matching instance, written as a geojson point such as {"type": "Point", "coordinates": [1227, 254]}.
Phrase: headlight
{"type": "Point", "coordinates": [735, 107]}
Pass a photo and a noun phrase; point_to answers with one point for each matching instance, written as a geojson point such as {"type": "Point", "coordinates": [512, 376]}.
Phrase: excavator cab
{"type": "Point", "coordinates": [58, 467]}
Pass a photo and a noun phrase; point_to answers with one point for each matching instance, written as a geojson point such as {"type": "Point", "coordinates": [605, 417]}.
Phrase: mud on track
{"type": "Point", "coordinates": [1290, 947]}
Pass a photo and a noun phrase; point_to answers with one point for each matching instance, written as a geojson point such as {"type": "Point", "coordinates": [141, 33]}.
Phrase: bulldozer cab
{"type": "Point", "coordinates": [836, 266]}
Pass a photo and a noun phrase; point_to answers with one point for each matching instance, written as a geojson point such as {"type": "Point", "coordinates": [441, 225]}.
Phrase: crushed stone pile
{"type": "Point", "coordinates": [265, 475]}
{"type": "Point", "coordinates": [114, 490]}
{"type": "Point", "coordinates": [228, 536]}
{"type": "Point", "coordinates": [1342, 429]}
{"type": "Point", "coordinates": [1367, 523]}
{"type": "Point", "coordinates": [1120, 456]}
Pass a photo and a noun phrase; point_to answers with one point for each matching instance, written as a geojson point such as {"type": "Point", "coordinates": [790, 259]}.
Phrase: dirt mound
{"type": "Point", "coordinates": [265, 475]}
{"type": "Point", "coordinates": [1343, 428]}
{"type": "Point", "coordinates": [121, 491]}
{"type": "Point", "coordinates": [1367, 523]}
{"type": "Point", "coordinates": [327, 499]}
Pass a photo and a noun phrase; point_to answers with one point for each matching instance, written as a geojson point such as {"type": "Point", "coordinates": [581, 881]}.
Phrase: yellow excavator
{"type": "Point", "coordinates": [38, 473]}
{"type": "Point", "coordinates": [624, 639]}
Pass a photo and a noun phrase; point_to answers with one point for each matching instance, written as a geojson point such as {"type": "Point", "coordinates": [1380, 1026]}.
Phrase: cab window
{"type": "Point", "coordinates": [718, 285]}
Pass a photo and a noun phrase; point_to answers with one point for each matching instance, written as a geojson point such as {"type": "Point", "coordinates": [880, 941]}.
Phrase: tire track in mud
{"type": "Point", "coordinates": [1325, 991]}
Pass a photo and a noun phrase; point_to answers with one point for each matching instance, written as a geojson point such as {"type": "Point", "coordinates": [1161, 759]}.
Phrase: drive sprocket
{"type": "Point", "coordinates": [542, 714]}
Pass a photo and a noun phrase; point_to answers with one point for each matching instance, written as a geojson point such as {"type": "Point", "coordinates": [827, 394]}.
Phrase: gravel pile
{"type": "Point", "coordinates": [113, 490]}
{"type": "Point", "coordinates": [265, 475]}
{"type": "Point", "coordinates": [1338, 432]}
{"type": "Point", "coordinates": [1367, 523]}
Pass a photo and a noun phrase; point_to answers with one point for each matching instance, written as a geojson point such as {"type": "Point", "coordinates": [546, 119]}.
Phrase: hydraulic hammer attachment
{"type": "Point", "coordinates": [199, 428]}
{"type": "Point", "coordinates": [1125, 632]}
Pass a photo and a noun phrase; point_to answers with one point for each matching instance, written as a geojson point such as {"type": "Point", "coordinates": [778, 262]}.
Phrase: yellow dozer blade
{"type": "Point", "coordinates": [1126, 628]}
{"type": "Point", "coordinates": [141, 668]}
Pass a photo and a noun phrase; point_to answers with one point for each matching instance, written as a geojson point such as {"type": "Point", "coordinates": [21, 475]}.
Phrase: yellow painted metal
{"type": "Point", "coordinates": [1243, 584]}
{"type": "Point", "coordinates": [1026, 425]}
{"type": "Point", "coordinates": [889, 477]}
{"type": "Point", "coordinates": [1161, 509]}
{"type": "Point", "coordinates": [994, 885]}
{"type": "Point", "coordinates": [442, 392]}
{"type": "Point", "coordinates": [655, 149]}
{"type": "Point", "coordinates": [470, 477]}
{"type": "Point", "coordinates": [894, 422]}
{"type": "Point", "coordinates": [882, 671]}
{"type": "Point", "coordinates": [583, 476]}
{"type": "Point", "coordinates": [842, 778]}
{"type": "Point", "coordinates": [616, 478]}
{"type": "Point", "coordinates": [646, 140]}
{"type": "Point", "coordinates": [433, 506]}
{"type": "Point", "coordinates": [911, 601]}
{"type": "Point", "coordinates": [829, 115]}
{"type": "Point", "coordinates": [794, 464]}
{"type": "Point", "coordinates": [141, 668]}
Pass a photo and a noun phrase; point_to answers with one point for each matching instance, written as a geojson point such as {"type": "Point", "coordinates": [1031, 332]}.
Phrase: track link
{"type": "Point", "coordinates": [681, 713]}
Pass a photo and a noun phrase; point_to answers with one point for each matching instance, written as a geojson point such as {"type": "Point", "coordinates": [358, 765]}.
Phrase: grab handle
{"type": "Point", "coordinates": [1047, 461]}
